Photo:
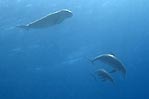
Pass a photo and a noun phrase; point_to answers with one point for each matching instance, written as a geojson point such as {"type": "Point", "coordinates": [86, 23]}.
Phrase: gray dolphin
{"type": "Point", "coordinates": [112, 61]}
{"type": "Point", "coordinates": [104, 75]}
{"type": "Point", "coordinates": [49, 20]}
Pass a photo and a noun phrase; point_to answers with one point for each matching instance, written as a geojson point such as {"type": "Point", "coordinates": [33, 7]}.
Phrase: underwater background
{"type": "Point", "coordinates": [51, 63]}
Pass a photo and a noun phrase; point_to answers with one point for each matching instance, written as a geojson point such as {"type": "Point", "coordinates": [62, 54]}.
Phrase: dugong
{"type": "Point", "coordinates": [104, 75]}
{"type": "Point", "coordinates": [112, 61]}
{"type": "Point", "coordinates": [49, 20]}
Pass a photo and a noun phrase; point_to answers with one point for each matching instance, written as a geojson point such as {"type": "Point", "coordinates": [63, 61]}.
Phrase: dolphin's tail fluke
{"type": "Point", "coordinates": [23, 27]}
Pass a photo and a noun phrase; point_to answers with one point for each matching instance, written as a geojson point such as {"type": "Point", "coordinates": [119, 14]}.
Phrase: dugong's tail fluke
{"type": "Point", "coordinates": [23, 27]}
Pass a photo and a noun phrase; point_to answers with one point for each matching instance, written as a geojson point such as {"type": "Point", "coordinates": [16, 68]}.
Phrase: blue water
{"type": "Point", "coordinates": [51, 63]}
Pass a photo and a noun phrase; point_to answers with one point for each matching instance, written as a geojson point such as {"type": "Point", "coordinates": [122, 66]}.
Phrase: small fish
{"type": "Point", "coordinates": [104, 75]}
{"type": "Point", "coordinates": [112, 61]}
{"type": "Point", "coordinates": [48, 20]}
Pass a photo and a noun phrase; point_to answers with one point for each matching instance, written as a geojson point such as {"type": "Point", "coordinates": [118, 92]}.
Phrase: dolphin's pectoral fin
{"type": "Point", "coordinates": [113, 71]}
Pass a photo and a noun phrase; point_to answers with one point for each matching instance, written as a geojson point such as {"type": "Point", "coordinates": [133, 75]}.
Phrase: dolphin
{"type": "Point", "coordinates": [49, 20]}
{"type": "Point", "coordinates": [104, 75]}
{"type": "Point", "coordinates": [112, 61]}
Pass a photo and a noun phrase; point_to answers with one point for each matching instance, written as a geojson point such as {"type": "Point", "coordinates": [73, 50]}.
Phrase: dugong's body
{"type": "Point", "coordinates": [104, 75]}
{"type": "Point", "coordinates": [112, 61]}
{"type": "Point", "coordinates": [49, 20]}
